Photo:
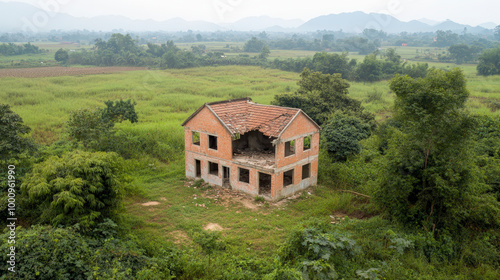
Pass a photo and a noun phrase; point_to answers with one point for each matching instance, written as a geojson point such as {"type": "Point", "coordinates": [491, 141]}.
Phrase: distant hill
{"type": "Point", "coordinates": [262, 23]}
{"type": "Point", "coordinates": [488, 25]}
{"type": "Point", "coordinates": [356, 22]}
{"type": "Point", "coordinates": [15, 17]}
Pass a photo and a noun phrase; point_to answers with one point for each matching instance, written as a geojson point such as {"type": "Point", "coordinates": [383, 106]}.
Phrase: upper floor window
{"type": "Point", "coordinates": [196, 138]}
{"type": "Point", "coordinates": [290, 148]}
{"type": "Point", "coordinates": [307, 142]}
{"type": "Point", "coordinates": [212, 142]}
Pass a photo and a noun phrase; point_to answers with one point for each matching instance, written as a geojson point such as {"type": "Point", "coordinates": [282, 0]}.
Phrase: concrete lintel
{"type": "Point", "coordinates": [300, 162]}
{"type": "Point", "coordinates": [256, 167]}
{"type": "Point", "coordinates": [297, 137]}
{"type": "Point", "coordinates": [247, 165]}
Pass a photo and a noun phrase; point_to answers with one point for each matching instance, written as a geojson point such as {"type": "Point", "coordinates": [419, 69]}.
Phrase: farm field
{"type": "Point", "coordinates": [62, 71]}
{"type": "Point", "coordinates": [165, 95]}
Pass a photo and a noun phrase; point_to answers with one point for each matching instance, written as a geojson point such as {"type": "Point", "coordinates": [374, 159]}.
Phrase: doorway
{"type": "Point", "coordinates": [198, 168]}
{"type": "Point", "coordinates": [226, 176]}
{"type": "Point", "coordinates": [264, 184]}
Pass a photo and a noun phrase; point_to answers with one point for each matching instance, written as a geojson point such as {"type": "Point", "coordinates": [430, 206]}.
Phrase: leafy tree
{"type": "Point", "coordinates": [61, 55]}
{"type": "Point", "coordinates": [392, 56]}
{"type": "Point", "coordinates": [253, 45]}
{"type": "Point", "coordinates": [462, 53]}
{"type": "Point", "coordinates": [489, 62]}
{"type": "Point", "coordinates": [12, 134]}
{"type": "Point", "coordinates": [370, 69]}
{"type": "Point", "coordinates": [418, 70]}
{"type": "Point", "coordinates": [430, 179]}
{"type": "Point", "coordinates": [120, 110]}
{"type": "Point", "coordinates": [445, 38]}
{"type": "Point", "coordinates": [265, 52]}
{"type": "Point", "coordinates": [94, 127]}
{"type": "Point", "coordinates": [88, 127]}
{"type": "Point", "coordinates": [342, 134]}
{"type": "Point", "coordinates": [332, 63]}
{"type": "Point", "coordinates": [497, 32]}
{"type": "Point", "coordinates": [78, 187]}
{"type": "Point", "coordinates": [319, 95]}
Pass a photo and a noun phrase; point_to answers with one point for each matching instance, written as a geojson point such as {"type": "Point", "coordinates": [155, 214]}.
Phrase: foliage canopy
{"type": "Point", "coordinates": [79, 187]}
{"type": "Point", "coordinates": [319, 95]}
{"type": "Point", "coordinates": [12, 129]}
{"type": "Point", "coordinates": [430, 179]}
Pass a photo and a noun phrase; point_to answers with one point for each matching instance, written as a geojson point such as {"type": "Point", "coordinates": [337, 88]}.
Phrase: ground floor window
{"type": "Point", "coordinates": [288, 178]}
{"type": "Point", "coordinates": [306, 171]}
{"type": "Point", "coordinates": [244, 175]}
{"type": "Point", "coordinates": [213, 168]}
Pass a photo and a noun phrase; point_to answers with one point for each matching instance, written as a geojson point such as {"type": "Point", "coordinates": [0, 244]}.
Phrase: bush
{"type": "Point", "coordinates": [78, 187]}
{"type": "Point", "coordinates": [63, 253]}
{"type": "Point", "coordinates": [342, 133]}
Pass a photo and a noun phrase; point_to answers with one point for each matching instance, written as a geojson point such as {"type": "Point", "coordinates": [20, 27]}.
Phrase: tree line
{"type": "Point", "coordinates": [11, 49]}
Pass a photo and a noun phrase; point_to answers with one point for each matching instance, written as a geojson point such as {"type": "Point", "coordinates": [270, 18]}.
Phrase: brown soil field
{"type": "Point", "coordinates": [62, 71]}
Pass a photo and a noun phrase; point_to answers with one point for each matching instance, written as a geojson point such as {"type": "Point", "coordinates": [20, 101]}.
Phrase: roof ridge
{"type": "Point", "coordinates": [229, 101]}
{"type": "Point", "coordinates": [276, 106]}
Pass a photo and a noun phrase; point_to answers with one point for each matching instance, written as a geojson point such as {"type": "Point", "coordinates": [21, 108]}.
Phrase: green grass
{"type": "Point", "coordinates": [170, 96]}
{"type": "Point", "coordinates": [165, 98]}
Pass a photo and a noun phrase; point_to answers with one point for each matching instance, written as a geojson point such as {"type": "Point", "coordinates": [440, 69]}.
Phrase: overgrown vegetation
{"type": "Point", "coordinates": [341, 229]}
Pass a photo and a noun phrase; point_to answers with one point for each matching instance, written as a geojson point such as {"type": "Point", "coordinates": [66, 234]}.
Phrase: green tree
{"type": "Point", "coordinates": [87, 126]}
{"type": "Point", "coordinates": [61, 55]}
{"type": "Point", "coordinates": [392, 56]}
{"type": "Point", "coordinates": [430, 179]}
{"type": "Point", "coordinates": [332, 63]}
{"type": "Point", "coordinates": [253, 45]}
{"type": "Point", "coordinates": [79, 187]}
{"type": "Point", "coordinates": [264, 53]}
{"type": "Point", "coordinates": [497, 32]}
{"type": "Point", "coordinates": [342, 134]}
{"type": "Point", "coordinates": [94, 127]}
{"type": "Point", "coordinates": [13, 140]}
{"type": "Point", "coordinates": [462, 53]}
{"type": "Point", "coordinates": [319, 95]}
{"type": "Point", "coordinates": [489, 62]}
{"type": "Point", "coordinates": [370, 70]}
{"type": "Point", "coordinates": [120, 110]}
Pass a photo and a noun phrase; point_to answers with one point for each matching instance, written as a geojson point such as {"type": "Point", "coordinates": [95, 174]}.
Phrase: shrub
{"type": "Point", "coordinates": [78, 187]}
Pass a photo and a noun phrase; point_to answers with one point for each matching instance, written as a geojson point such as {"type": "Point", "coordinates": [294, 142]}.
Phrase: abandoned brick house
{"type": "Point", "coordinates": [263, 150]}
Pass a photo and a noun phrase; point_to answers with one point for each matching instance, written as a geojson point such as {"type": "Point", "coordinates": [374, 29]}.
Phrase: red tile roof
{"type": "Point", "coordinates": [243, 115]}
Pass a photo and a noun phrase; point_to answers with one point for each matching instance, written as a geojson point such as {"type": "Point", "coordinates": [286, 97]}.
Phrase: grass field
{"type": "Point", "coordinates": [167, 208]}
{"type": "Point", "coordinates": [171, 95]}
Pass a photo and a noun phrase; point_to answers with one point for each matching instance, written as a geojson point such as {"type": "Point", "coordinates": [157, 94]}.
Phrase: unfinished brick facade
{"type": "Point", "coordinates": [263, 150]}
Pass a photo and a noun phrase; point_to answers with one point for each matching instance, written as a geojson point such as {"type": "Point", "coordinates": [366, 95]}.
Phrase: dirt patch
{"type": "Point", "coordinates": [225, 197]}
{"type": "Point", "coordinates": [150, 203]}
{"type": "Point", "coordinates": [180, 237]}
{"type": "Point", "coordinates": [37, 72]}
{"type": "Point", "coordinates": [213, 227]}
{"type": "Point", "coordinates": [248, 204]}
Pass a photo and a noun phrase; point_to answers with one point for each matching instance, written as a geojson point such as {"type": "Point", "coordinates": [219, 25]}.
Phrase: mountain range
{"type": "Point", "coordinates": [16, 17]}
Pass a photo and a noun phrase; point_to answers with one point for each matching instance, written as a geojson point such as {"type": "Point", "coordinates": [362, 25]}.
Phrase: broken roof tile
{"type": "Point", "coordinates": [243, 115]}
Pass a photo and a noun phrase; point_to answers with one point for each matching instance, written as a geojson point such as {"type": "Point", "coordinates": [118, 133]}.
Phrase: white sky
{"type": "Point", "coordinates": [462, 11]}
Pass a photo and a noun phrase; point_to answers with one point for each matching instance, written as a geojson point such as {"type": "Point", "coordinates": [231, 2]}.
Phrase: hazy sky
{"type": "Point", "coordinates": [462, 11]}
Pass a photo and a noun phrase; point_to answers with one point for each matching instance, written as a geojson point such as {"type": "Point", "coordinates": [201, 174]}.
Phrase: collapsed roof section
{"type": "Point", "coordinates": [240, 116]}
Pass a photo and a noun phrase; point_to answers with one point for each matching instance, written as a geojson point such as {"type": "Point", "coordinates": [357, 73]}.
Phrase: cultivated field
{"type": "Point", "coordinates": [38, 72]}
